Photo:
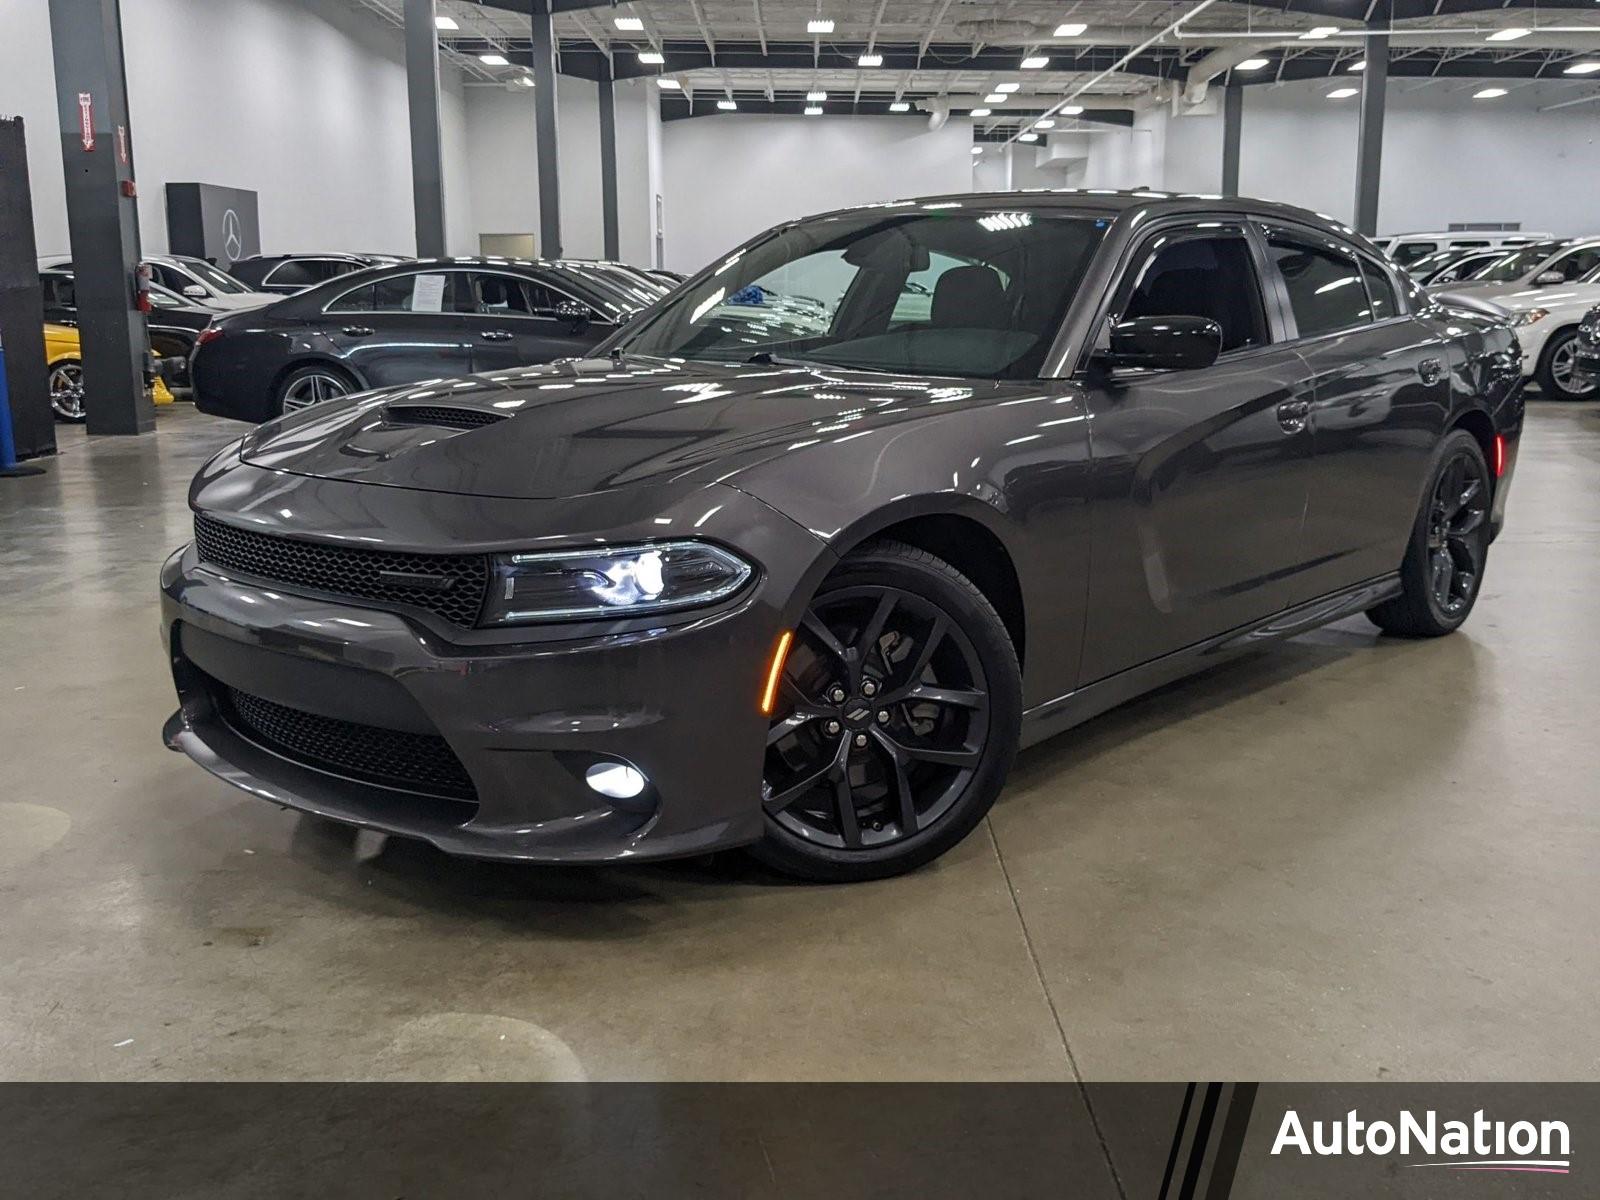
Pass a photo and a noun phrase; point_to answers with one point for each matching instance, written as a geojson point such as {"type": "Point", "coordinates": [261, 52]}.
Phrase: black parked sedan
{"type": "Point", "coordinates": [174, 321]}
{"type": "Point", "coordinates": [995, 465]}
{"type": "Point", "coordinates": [422, 320]}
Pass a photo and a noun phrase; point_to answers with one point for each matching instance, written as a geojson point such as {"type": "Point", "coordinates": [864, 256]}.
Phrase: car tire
{"type": "Point", "coordinates": [1442, 574]}
{"type": "Point", "coordinates": [312, 384]}
{"type": "Point", "coordinates": [66, 391]}
{"type": "Point", "coordinates": [898, 720]}
{"type": "Point", "coordinates": [1558, 376]}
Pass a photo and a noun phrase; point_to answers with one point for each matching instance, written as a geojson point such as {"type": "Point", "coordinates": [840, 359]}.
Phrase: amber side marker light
{"type": "Point", "coordinates": [769, 695]}
{"type": "Point", "coordinates": [1499, 455]}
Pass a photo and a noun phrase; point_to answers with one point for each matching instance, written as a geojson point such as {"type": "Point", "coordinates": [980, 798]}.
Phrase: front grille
{"type": "Point", "coordinates": [418, 762]}
{"type": "Point", "coordinates": [434, 414]}
{"type": "Point", "coordinates": [451, 586]}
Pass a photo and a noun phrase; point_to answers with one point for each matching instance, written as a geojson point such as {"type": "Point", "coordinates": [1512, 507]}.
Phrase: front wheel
{"type": "Point", "coordinates": [900, 710]}
{"type": "Point", "coordinates": [66, 390]}
{"type": "Point", "coordinates": [1443, 568]}
{"type": "Point", "coordinates": [1558, 374]}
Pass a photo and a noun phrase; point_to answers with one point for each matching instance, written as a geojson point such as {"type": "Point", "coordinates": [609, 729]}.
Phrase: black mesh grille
{"type": "Point", "coordinates": [416, 761]}
{"type": "Point", "coordinates": [433, 414]}
{"type": "Point", "coordinates": [450, 585]}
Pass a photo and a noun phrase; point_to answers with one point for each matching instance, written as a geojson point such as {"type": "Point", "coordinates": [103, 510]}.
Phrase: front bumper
{"type": "Point", "coordinates": [521, 720]}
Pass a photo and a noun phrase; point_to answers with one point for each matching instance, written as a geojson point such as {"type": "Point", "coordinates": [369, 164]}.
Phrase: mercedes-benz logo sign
{"type": "Point", "coordinates": [232, 236]}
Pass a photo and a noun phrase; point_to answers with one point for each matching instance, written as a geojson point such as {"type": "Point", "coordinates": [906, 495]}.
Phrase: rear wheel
{"type": "Point", "coordinates": [898, 720]}
{"type": "Point", "coordinates": [66, 390]}
{"type": "Point", "coordinates": [1558, 374]}
{"type": "Point", "coordinates": [1443, 568]}
{"type": "Point", "coordinates": [312, 384]}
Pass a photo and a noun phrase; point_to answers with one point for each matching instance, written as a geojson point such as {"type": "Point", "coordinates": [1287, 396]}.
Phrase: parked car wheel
{"type": "Point", "coordinates": [900, 712]}
{"type": "Point", "coordinates": [1558, 374]}
{"type": "Point", "coordinates": [1443, 568]}
{"type": "Point", "coordinates": [312, 384]}
{"type": "Point", "coordinates": [66, 390]}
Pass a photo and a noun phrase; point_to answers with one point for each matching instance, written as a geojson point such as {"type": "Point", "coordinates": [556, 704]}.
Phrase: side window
{"type": "Point", "coordinates": [1409, 252]}
{"type": "Point", "coordinates": [424, 292]}
{"type": "Point", "coordinates": [59, 291]}
{"type": "Point", "coordinates": [294, 272]}
{"type": "Point", "coordinates": [1209, 277]}
{"type": "Point", "coordinates": [359, 300]}
{"type": "Point", "coordinates": [1326, 293]}
{"type": "Point", "coordinates": [488, 292]}
{"type": "Point", "coordinates": [1577, 264]}
{"type": "Point", "coordinates": [1380, 292]}
{"type": "Point", "coordinates": [168, 278]}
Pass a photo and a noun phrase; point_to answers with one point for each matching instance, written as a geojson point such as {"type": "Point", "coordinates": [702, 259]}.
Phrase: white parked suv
{"type": "Point", "coordinates": [1547, 319]}
{"type": "Point", "coordinates": [1406, 248]}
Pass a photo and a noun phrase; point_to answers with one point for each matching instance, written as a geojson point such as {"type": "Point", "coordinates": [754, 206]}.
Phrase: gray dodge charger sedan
{"type": "Point", "coordinates": [802, 555]}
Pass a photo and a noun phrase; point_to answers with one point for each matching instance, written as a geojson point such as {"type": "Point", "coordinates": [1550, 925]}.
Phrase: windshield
{"type": "Point", "coordinates": [1511, 267]}
{"type": "Point", "coordinates": [226, 285]}
{"type": "Point", "coordinates": [974, 295]}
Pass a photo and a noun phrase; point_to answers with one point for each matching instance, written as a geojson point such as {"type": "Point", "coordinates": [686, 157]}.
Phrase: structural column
{"type": "Point", "coordinates": [1232, 128]}
{"type": "Point", "coordinates": [1369, 153]}
{"type": "Point", "coordinates": [102, 215]}
{"type": "Point", "coordinates": [547, 151]}
{"type": "Point", "coordinates": [427, 158]}
{"type": "Point", "coordinates": [608, 168]}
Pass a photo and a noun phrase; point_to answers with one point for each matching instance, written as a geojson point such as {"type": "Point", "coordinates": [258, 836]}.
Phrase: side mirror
{"type": "Point", "coordinates": [576, 314]}
{"type": "Point", "coordinates": [1164, 343]}
{"type": "Point", "coordinates": [1548, 278]}
{"type": "Point", "coordinates": [194, 290]}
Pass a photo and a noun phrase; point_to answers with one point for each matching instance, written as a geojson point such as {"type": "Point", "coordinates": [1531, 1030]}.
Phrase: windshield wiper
{"type": "Point", "coordinates": [766, 358]}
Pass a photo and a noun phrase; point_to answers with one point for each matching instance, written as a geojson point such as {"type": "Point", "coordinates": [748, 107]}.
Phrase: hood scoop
{"type": "Point", "coordinates": [441, 415]}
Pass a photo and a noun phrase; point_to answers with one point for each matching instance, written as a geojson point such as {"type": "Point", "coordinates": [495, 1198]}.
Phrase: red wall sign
{"type": "Point", "coordinates": [86, 119]}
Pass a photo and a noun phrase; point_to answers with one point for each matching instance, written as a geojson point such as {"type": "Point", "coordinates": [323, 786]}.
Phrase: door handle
{"type": "Point", "coordinates": [1293, 414]}
{"type": "Point", "coordinates": [1431, 370]}
{"type": "Point", "coordinates": [496, 335]}
{"type": "Point", "coordinates": [358, 331]}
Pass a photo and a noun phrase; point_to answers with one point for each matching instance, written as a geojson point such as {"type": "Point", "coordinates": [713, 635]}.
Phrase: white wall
{"type": "Point", "coordinates": [303, 101]}
{"type": "Point", "coordinates": [729, 177]}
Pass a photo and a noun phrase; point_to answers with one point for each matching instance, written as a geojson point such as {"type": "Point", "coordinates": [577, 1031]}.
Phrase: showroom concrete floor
{"type": "Point", "coordinates": [1344, 858]}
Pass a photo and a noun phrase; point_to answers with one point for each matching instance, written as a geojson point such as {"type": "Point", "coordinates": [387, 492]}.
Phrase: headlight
{"type": "Point", "coordinates": [612, 581]}
{"type": "Point", "coordinates": [1532, 317]}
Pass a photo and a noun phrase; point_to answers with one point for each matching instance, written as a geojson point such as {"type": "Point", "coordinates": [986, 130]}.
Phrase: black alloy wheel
{"type": "Point", "coordinates": [1443, 571]}
{"type": "Point", "coordinates": [897, 720]}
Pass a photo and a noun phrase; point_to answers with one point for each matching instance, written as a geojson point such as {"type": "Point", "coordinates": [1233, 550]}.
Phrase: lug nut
{"type": "Point", "coordinates": [883, 716]}
{"type": "Point", "coordinates": [869, 688]}
{"type": "Point", "coordinates": [834, 727]}
{"type": "Point", "coordinates": [837, 695]}
{"type": "Point", "coordinates": [861, 740]}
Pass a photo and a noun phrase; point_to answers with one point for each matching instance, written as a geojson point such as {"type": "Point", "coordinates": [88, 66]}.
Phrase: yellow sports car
{"type": "Point", "coordinates": [64, 357]}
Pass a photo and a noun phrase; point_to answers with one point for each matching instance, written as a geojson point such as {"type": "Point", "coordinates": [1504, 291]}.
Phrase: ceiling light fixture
{"type": "Point", "coordinates": [996, 98]}
{"type": "Point", "coordinates": [1035, 62]}
{"type": "Point", "coordinates": [1489, 94]}
{"type": "Point", "coordinates": [651, 58]}
{"type": "Point", "coordinates": [819, 25]}
{"type": "Point", "coordinates": [1318, 33]}
{"type": "Point", "coordinates": [816, 95]}
{"type": "Point", "coordinates": [1044, 123]}
{"type": "Point", "coordinates": [1251, 64]}
{"type": "Point", "coordinates": [1509, 35]}
{"type": "Point", "coordinates": [670, 85]}
{"type": "Point", "coordinates": [977, 149]}
{"type": "Point", "coordinates": [1027, 137]}
{"type": "Point", "coordinates": [445, 23]}
{"type": "Point", "coordinates": [1071, 110]}
{"type": "Point", "coordinates": [727, 105]}
{"type": "Point", "coordinates": [1359, 65]}
{"type": "Point", "coordinates": [628, 24]}
{"type": "Point", "coordinates": [1583, 68]}
{"type": "Point", "coordinates": [1343, 93]}
{"type": "Point", "coordinates": [981, 112]}
{"type": "Point", "coordinates": [870, 60]}
{"type": "Point", "coordinates": [899, 106]}
{"type": "Point", "coordinates": [1007, 87]}
{"type": "Point", "coordinates": [1071, 29]}
{"type": "Point", "coordinates": [493, 60]}
{"type": "Point", "coordinates": [813, 110]}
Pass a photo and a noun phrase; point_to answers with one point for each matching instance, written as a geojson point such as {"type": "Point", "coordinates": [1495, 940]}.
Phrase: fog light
{"type": "Point", "coordinates": [616, 780]}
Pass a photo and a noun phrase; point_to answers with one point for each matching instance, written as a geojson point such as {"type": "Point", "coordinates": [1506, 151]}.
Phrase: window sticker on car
{"type": "Point", "coordinates": [427, 294]}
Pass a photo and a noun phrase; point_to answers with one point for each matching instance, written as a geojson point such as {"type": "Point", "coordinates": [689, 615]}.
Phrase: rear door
{"type": "Point", "coordinates": [1201, 476]}
{"type": "Point", "coordinates": [400, 329]}
{"type": "Point", "coordinates": [513, 321]}
{"type": "Point", "coordinates": [1379, 376]}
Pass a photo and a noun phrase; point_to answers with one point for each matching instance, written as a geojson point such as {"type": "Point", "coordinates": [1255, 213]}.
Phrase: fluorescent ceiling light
{"type": "Point", "coordinates": [1251, 64]}
{"type": "Point", "coordinates": [727, 105]}
{"type": "Point", "coordinates": [493, 60]}
{"type": "Point", "coordinates": [445, 23]}
{"type": "Point", "coordinates": [1044, 123]}
{"type": "Point", "coordinates": [1318, 33]}
{"type": "Point", "coordinates": [816, 95]}
{"type": "Point", "coordinates": [1034, 63]}
{"type": "Point", "coordinates": [1071, 110]}
{"type": "Point", "coordinates": [813, 110]}
{"type": "Point", "coordinates": [981, 112]}
{"type": "Point", "coordinates": [977, 149]}
{"type": "Point", "coordinates": [652, 58]}
{"type": "Point", "coordinates": [1006, 87]}
{"type": "Point", "coordinates": [1489, 94]}
{"type": "Point", "coordinates": [996, 98]}
{"type": "Point", "coordinates": [1027, 137]}
{"type": "Point", "coordinates": [671, 85]}
{"type": "Point", "coordinates": [1583, 68]}
{"type": "Point", "coordinates": [899, 106]}
{"type": "Point", "coordinates": [1343, 93]}
{"type": "Point", "coordinates": [870, 60]}
{"type": "Point", "coordinates": [1071, 29]}
{"type": "Point", "coordinates": [1359, 65]}
{"type": "Point", "coordinates": [629, 24]}
{"type": "Point", "coordinates": [819, 25]}
{"type": "Point", "coordinates": [1509, 35]}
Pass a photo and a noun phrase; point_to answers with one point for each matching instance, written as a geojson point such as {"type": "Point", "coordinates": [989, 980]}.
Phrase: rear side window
{"type": "Point", "coordinates": [1210, 277]}
{"type": "Point", "coordinates": [1326, 292]}
{"type": "Point", "coordinates": [426, 292]}
{"type": "Point", "coordinates": [1379, 291]}
{"type": "Point", "coordinates": [1409, 252]}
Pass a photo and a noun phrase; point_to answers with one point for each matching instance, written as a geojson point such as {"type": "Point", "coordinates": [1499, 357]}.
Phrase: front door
{"type": "Point", "coordinates": [514, 323]}
{"type": "Point", "coordinates": [1201, 477]}
{"type": "Point", "coordinates": [400, 329]}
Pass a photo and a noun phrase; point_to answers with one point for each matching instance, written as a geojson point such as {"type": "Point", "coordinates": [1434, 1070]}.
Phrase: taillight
{"type": "Point", "coordinates": [1499, 455]}
{"type": "Point", "coordinates": [209, 334]}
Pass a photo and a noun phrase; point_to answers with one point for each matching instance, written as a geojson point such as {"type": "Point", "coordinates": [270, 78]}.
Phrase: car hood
{"type": "Point", "coordinates": [591, 425]}
{"type": "Point", "coordinates": [1556, 298]}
